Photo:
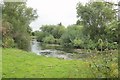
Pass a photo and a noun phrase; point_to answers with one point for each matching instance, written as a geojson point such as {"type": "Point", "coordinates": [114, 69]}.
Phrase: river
{"type": "Point", "coordinates": [54, 50]}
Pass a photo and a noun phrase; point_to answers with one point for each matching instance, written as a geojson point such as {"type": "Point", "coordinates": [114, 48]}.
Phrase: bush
{"type": "Point", "coordinates": [8, 42]}
{"type": "Point", "coordinates": [23, 42]}
{"type": "Point", "coordinates": [58, 41]}
{"type": "Point", "coordinates": [91, 44]}
{"type": "Point", "coordinates": [78, 43]}
{"type": "Point", "coordinates": [105, 66]}
{"type": "Point", "coordinates": [102, 45]}
{"type": "Point", "coordinates": [49, 39]}
{"type": "Point", "coordinates": [40, 35]}
{"type": "Point", "coordinates": [65, 40]}
{"type": "Point", "coordinates": [113, 45]}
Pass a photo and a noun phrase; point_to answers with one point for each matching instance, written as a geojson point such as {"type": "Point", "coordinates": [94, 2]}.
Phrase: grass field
{"type": "Point", "coordinates": [22, 64]}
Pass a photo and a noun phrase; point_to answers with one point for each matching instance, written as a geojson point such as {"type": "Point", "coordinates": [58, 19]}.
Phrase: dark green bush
{"type": "Point", "coordinates": [78, 43]}
{"type": "Point", "coordinates": [49, 39]}
{"type": "Point", "coordinates": [40, 35]}
{"type": "Point", "coordinates": [58, 41]}
{"type": "Point", "coordinates": [91, 44]}
{"type": "Point", "coordinates": [113, 45]}
{"type": "Point", "coordinates": [23, 42]}
{"type": "Point", "coordinates": [8, 42]}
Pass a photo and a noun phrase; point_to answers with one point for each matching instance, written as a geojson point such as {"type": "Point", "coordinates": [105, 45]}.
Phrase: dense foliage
{"type": "Point", "coordinates": [100, 23]}
{"type": "Point", "coordinates": [15, 25]}
{"type": "Point", "coordinates": [50, 33]}
{"type": "Point", "coordinates": [96, 28]}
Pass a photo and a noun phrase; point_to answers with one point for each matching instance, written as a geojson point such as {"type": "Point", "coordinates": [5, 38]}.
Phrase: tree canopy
{"type": "Point", "coordinates": [96, 17]}
{"type": "Point", "coordinates": [16, 20]}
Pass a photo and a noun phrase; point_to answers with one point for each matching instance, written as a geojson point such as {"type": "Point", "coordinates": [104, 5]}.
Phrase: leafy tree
{"type": "Point", "coordinates": [55, 30]}
{"type": "Point", "coordinates": [96, 16]}
{"type": "Point", "coordinates": [78, 22]}
{"type": "Point", "coordinates": [19, 16]}
{"type": "Point", "coordinates": [58, 31]}
{"type": "Point", "coordinates": [112, 31]}
{"type": "Point", "coordinates": [73, 32]}
{"type": "Point", "coordinates": [40, 35]}
{"type": "Point", "coordinates": [47, 28]}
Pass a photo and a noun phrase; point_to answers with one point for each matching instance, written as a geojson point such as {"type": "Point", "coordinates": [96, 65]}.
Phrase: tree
{"type": "Point", "coordinates": [55, 30]}
{"type": "Point", "coordinates": [60, 24]}
{"type": "Point", "coordinates": [47, 28]}
{"type": "Point", "coordinates": [58, 31]}
{"type": "Point", "coordinates": [96, 16]}
{"type": "Point", "coordinates": [72, 33]}
{"type": "Point", "coordinates": [20, 16]}
{"type": "Point", "coordinates": [78, 22]}
{"type": "Point", "coordinates": [112, 31]}
{"type": "Point", "coordinates": [40, 35]}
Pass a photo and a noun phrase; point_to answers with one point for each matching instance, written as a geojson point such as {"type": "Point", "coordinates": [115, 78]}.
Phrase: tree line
{"type": "Point", "coordinates": [96, 28]}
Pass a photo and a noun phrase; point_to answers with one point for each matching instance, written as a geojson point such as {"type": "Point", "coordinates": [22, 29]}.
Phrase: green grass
{"type": "Point", "coordinates": [19, 64]}
{"type": "Point", "coordinates": [22, 64]}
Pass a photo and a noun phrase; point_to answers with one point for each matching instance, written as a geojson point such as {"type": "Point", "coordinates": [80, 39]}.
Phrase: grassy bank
{"type": "Point", "coordinates": [21, 64]}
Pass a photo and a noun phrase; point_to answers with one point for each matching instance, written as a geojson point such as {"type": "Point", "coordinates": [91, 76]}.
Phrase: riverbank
{"type": "Point", "coordinates": [22, 64]}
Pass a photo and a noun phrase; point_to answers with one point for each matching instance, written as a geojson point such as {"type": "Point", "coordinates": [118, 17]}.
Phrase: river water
{"type": "Point", "coordinates": [53, 50]}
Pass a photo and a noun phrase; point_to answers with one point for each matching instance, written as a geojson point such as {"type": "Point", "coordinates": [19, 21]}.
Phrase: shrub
{"type": "Point", "coordinates": [58, 41]}
{"type": "Point", "coordinates": [40, 35]}
{"type": "Point", "coordinates": [49, 39]}
{"type": "Point", "coordinates": [105, 66]}
{"type": "Point", "coordinates": [91, 44]}
{"type": "Point", "coordinates": [23, 42]}
{"type": "Point", "coordinates": [78, 43]}
{"type": "Point", "coordinates": [65, 40]}
{"type": "Point", "coordinates": [8, 42]}
{"type": "Point", "coordinates": [113, 45]}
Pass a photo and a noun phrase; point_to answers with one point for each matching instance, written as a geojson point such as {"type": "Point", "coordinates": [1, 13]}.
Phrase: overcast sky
{"type": "Point", "coordinates": [54, 12]}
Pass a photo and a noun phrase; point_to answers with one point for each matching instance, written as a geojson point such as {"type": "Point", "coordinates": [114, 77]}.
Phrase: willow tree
{"type": "Point", "coordinates": [19, 16]}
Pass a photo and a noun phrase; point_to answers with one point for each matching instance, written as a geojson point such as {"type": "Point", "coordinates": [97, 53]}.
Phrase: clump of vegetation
{"type": "Point", "coordinates": [8, 42]}
{"type": "Point", "coordinates": [78, 43]}
{"type": "Point", "coordinates": [49, 39]}
{"type": "Point", "coordinates": [40, 35]}
{"type": "Point", "coordinates": [105, 65]}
